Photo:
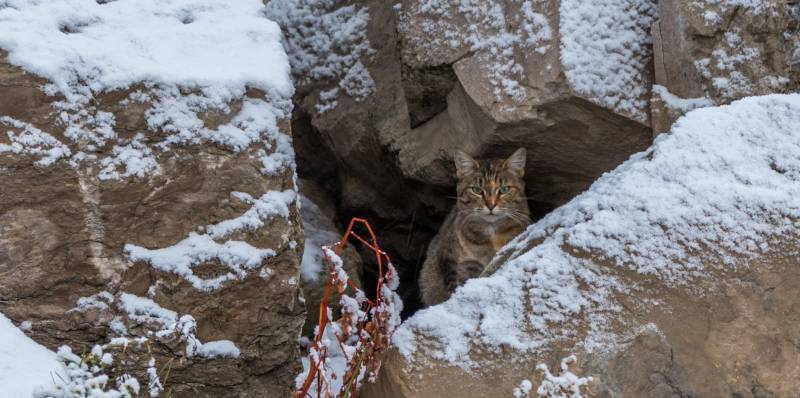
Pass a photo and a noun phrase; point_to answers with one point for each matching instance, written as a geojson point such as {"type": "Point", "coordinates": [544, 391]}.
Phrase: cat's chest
{"type": "Point", "coordinates": [489, 237]}
{"type": "Point", "coordinates": [500, 238]}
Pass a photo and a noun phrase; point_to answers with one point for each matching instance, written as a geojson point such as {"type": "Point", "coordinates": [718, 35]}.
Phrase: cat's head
{"type": "Point", "coordinates": [492, 189]}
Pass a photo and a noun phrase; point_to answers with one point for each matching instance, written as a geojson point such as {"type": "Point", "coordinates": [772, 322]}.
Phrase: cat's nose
{"type": "Point", "coordinates": [491, 206]}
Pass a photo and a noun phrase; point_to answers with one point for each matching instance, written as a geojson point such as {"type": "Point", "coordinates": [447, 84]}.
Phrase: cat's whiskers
{"type": "Point", "coordinates": [519, 217]}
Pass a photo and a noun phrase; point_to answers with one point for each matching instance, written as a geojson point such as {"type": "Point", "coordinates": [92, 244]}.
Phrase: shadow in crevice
{"type": "Point", "coordinates": [405, 237]}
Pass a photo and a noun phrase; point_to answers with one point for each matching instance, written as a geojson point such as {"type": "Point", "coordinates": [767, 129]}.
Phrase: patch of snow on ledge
{"type": "Point", "coordinates": [681, 104]}
{"type": "Point", "coordinates": [218, 349]}
{"type": "Point", "coordinates": [237, 256]}
{"type": "Point", "coordinates": [99, 46]}
{"type": "Point", "coordinates": [719, 188]}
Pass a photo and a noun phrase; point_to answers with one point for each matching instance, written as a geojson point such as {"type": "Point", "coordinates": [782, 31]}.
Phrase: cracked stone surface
{"type": "Point", "coordinates": [62, 233]}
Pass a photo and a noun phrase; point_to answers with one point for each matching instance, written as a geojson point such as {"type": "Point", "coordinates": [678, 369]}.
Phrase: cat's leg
{"type": "Point", "coordinates": [468, 269]}
{"type": "Point", "coordinates": [437, 280]}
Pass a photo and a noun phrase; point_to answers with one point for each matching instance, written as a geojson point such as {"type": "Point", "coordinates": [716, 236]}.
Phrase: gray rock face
{"type": "Point", "coordinates": [434, 95]}
{"type": "Point", "coordinates": [64, 231]}
{"type": "Point", "coordinates": [735, 342]}
{"type": "Point", "coordinates": [638, 278]}
{"type": "Point", "coordinates": [723, 51]}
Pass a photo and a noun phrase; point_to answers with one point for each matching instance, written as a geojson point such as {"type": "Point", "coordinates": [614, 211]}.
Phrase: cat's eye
{"type": "Point", "coordinates": [476, 190]}
{"type": "Point", "coordinates": [505, 189]}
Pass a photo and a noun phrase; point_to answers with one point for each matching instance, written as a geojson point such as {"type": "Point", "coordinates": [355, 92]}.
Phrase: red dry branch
{"type": "Point", "coordinates": [361, 334]}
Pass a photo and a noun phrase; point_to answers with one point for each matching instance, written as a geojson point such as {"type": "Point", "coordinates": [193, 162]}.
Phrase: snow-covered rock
{"type": "Point", "coordinates": [720, 51]}
{"type": "Point", "coordinates": [145, 152]}
{"type": "Point", "coordinates": [672, 274]}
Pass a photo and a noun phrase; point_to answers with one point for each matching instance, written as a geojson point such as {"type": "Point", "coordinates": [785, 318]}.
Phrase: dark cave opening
{"type": "Point", "coordinates": [404, 237]}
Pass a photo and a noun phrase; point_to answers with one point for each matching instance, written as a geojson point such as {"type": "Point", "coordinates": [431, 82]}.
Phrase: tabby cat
{"type": "Point", "coordinates": [491, 210]}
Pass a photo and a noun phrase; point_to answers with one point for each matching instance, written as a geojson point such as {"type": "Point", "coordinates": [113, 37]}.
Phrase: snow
{"type": "Point", "coordinates": [755, 6]}
{"type": "Point", "coordinates": [159, 323]}
{"type": "Point", "coordinates": [335, 364]}
{"type": "Point", "coordinates": [179, 259]}
{"type": "Point", "coordinates": [564, 385]}
{"type": "Point", "coordinates": [153, 380]}
{"type": "Point", "coordinates": [24, 364]}
{"type": "Point", "coordinates": [179, 115]}
{"type": "Point", "coordinates": [269, 205]}
{"type": "Point", "coordinates": [183, 57]}
{"type": "Point", "coordinates": [80, 45]}
{"type": "Point", "coordinates": [494, 30]}
{"type": "Point", "coordinates": [144, 310]}
{"type": "Point", "coordinates": [737, 68]}
{"type": "Point", "coordinates": [681, 104]}
{"type": "Point", "coordinates": [524, 389]}
{"type": "Point", "coordinates": [357, 82]}
{"type": "Point", "coordinates": [606, 51]}
{"type": "Point", "coordinates": [326, 41]}
{"type": "Point", "coordinates": [720, 188]}
{"type": "Point", "coordinates": [96, 301]}
{"type": "Point", "coordinates": [86, 376]}
{"type": "Point", "coordinates": [135, 158]}
{"type": "Point", "coordinates": [218, 349]}
{"type": "Point", "coordinates": [32, 141]}
{"type": "Point", "coordinates": [319, 232]}
{"type": "Point", "coordinates": [238, 257]}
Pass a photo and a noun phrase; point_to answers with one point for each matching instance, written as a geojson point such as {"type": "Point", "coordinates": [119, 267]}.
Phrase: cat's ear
{"type": "Point", "coordinates": [465, 164]}
{"type": "Point", "coordinates": [516, 162]}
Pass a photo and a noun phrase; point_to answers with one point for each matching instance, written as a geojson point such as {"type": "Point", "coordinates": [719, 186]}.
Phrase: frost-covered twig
{"type": "Point", "coordinates": [347, 351]}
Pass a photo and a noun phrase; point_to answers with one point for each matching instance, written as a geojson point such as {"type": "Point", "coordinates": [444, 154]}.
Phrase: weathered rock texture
{"type": "Point", "coordinates": [63, 230]}
{"type": "Point", "coordinates": [432, 98]}
{"type": "Point", "coordinates": [642, 277]}
{"type": "Point", "coordinates": [723, 51]}
{"type": "Point", "coordinates": [739, 340]}
{"type": "Point", "coordinates": [438, 88]}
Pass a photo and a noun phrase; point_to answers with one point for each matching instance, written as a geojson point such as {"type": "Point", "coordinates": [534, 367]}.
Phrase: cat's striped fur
{"type": "Point", "coordinates": [491, 210]}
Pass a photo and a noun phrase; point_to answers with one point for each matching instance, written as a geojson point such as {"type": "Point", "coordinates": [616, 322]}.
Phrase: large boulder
{"type": "Point", "coordinates": [386, 91]}
{"type": "Point", "coordinates": [571, 84]}
{"type": "Point", "coordinates": [720, 51]}
{"type": "Point", "coordinates": [671, 276]}
{"type": "Point", "coordinates": [541, 75]}
{"type": "Point", "coordinates": [149, 205]}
